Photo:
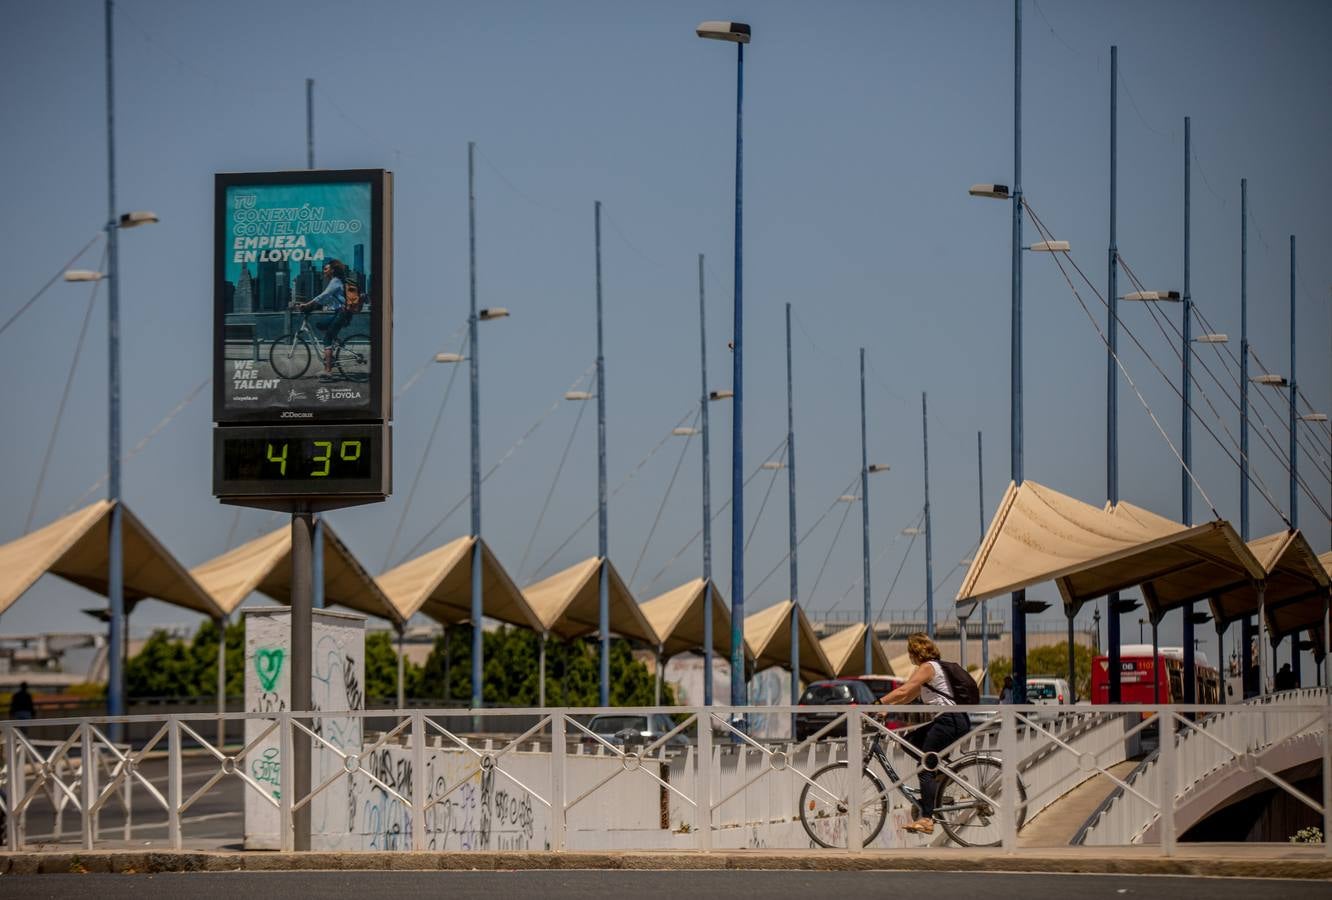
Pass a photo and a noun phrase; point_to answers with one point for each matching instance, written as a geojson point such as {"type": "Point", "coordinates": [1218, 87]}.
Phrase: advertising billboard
{"type": "Point", "coordinates": [302, 296]}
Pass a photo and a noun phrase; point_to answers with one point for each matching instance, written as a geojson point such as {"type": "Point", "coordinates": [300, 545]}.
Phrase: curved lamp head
{"type": "Point", "coordinates": [83, 275]}
{"type": "Point", "coordinates": [735, 32]}
{"type": "Point", "coordinates": [996, 191]}
{"type": "Point", "coordinates": [137, 218]}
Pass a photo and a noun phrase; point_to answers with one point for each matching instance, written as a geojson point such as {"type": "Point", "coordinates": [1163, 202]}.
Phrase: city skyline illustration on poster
{"type": "Point", "coordinates": [298, 289]}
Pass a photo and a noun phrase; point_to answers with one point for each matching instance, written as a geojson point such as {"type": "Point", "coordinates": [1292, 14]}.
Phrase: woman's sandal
{"type": "Point", "coordinates": [921, 826]}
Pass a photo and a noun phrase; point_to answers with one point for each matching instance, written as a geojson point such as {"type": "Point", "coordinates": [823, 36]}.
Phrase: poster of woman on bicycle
{"type": "Point", "coordinates": [302, 331]}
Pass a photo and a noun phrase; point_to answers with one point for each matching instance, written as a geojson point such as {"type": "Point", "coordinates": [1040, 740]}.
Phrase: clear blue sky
{"type": "Point", "coordinates": [865, 123]}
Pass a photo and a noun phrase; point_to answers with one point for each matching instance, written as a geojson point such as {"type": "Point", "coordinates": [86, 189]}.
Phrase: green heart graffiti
{"type": "Point", "coordinates": [268, 664]}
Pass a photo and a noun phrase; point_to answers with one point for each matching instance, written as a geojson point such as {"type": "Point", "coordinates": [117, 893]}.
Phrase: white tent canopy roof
{"type": "Point", "coordinates": [439, 584]}
{"type": "Point", "coordinates": [845, 650]}
{"type": "Point", "coordinates": [768, 634]}
{"type": "Point", "coordinates": [567, 603]}
{"type": "Point", "coordinates": [678, 618]}
{"type": "Point", "coordinates": [75, 548]}
{"type": "Point", "coordinates": [264, 565]}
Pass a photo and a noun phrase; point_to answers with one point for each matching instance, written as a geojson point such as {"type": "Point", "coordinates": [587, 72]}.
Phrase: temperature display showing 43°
{"type": "Point", "coordinates": [300, 461]}
{"type": "Point", "coordinates": [279, 459]}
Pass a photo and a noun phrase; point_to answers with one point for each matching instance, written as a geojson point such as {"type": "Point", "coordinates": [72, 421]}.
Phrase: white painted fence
{"type": "Point", "coordinates": [1194, 750]}
{"type": "Point", "coordinates": [535, 779]}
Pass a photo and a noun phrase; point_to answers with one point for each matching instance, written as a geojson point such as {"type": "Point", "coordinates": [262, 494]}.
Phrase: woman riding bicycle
{"type": "Point", "coordinates": [334, 297]}
{"type": "Point", "coordinates": [930, 683]}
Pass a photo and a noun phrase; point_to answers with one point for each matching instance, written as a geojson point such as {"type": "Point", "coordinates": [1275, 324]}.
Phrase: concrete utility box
{"type": "Point", "coordinates": [337, 684]}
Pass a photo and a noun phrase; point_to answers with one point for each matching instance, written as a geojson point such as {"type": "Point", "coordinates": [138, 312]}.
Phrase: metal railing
{"type": "Point", "coordinates": [542, 779]}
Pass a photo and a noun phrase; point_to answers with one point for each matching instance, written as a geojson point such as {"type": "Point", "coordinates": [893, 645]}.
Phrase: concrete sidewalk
{"type": "Point", "coordinates": [1217, 860]}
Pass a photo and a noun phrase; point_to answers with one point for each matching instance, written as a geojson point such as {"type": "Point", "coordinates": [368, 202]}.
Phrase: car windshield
{"type": "Point", "coordinates": [828, 694]}
{"type": "Point", "coordinates": [615, 724]}
{"type": "Point", "coordinates": [1039, 691]}
{"type": "Point", "coordinates": [879, 686]}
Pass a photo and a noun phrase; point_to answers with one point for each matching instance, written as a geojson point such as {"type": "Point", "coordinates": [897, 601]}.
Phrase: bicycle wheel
{"type": "Point", "coordinates": [825, 798]}
{"type": "Point", "coordinates": [969, 820]}
{"type": "Point", "coordinates": [353, 356]}
{"type": "Point", "coordinates": [289, 355]}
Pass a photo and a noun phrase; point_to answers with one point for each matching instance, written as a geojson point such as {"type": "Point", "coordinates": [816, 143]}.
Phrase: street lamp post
{"type": "Point", "coordinates": [866, 470]}
{"type": "Point", "coordinates": [1001, 192]}
{"type": "Point", "coordinates": [603, 570]}
{"type": "Point", "coordinates": [929, 531]}
{"type": "Point", "coordinates": [737, 33]}
{"type": "Point", "coordinates": [115, 576]}
{"type": "Point", "coordinates": [1113, 639]}
{"type": "Point", "coordinates": [793, 569]}
{"type": "Point", "coordinates": [1247, 631]}
{"type": "Point", "coordinates": [474, 318]}
{"type": "Point", "coordinates": [985, 606]}
{"type": "Point", "coordinates": [1293, 393]}
{"type": "Point", "coordinates": [864, 521]}
{"type": "Point", "coordinates": [704, 399]}
{"type": "Point", "coordinates": [1186, 485]}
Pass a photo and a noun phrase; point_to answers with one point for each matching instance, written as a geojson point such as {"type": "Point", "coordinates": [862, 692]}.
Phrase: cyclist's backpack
{"type": "Point", "coordinates": [352, 292]}
{"type": "Point", "coordinates": [963, 687]}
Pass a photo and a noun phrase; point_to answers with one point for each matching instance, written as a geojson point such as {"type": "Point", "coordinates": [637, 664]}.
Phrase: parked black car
{"type": "Point", "coordinates": [841, 692]}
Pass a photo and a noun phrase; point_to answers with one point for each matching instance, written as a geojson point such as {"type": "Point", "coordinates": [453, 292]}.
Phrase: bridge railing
{"type": "Point", "coordinates": [1206, 757]}
{"type": "Point", "coordinates": [687, 779]}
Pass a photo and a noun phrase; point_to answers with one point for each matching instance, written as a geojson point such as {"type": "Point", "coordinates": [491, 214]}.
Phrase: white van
{"type": "Point", "coordinates": [1048, 692]}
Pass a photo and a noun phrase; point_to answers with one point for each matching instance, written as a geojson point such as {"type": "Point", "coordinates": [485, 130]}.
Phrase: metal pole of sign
{"type": "Point", "coordinates": [302, 596]}
{"type": "Point", "coordinates": [221, 681]}
{"type": "Point", "coordinates": [704, 398]}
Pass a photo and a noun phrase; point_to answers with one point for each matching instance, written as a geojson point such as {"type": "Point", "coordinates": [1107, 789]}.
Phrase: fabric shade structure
{"type": "Point", "coordinates": [1039, 535]}
{"type": "Point", "coordinates": [1294, 585]}
{"type": "Point", "coordinates": [568, 607]}
{"type": "Point", "coordinates": [75, 548]}
{"type": "Point", "coordinates": [678, 617]}
{"type": "Point", "coordinates": [439, 584]}
{"type": "Point", "coordinates": [845, 651]}
{"type": "Point", "coordinates": [768, 634]}
{"type": "Point", "coordinates": [264, 565]}
{"type": "Point", "coordinates": [1209, 564]}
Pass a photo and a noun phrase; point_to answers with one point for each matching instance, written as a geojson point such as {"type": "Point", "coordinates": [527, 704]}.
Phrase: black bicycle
{"type": "Point", "coordinates": [966, 803]}
{"type": "Point", "coordinates": [291, 354]}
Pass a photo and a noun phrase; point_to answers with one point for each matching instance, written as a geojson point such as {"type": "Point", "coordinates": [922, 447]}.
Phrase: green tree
{"type": "Point", "coordinates": [169, 667]}
{"type": "Point", "coordinates": [1050, 661]}
{"type": "Point", "coordinates": [381, 669]}
{"type": "Point", "coordinates": [512, 671]}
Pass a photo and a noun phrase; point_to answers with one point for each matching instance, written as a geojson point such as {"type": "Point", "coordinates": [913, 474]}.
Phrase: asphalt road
{"type": "Point", "coordinates": [733, 885]}
{"type": "Point", "coordinates": [215, 821]}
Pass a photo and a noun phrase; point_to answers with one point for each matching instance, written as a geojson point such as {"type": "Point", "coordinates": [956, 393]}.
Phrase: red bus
{"type": "Point", "coordinates": [1138, 673]}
